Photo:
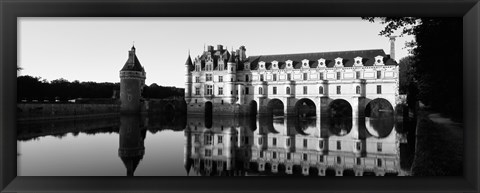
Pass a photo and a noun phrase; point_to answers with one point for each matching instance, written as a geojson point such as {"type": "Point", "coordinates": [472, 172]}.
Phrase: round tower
{"type": "Point", "coordinates": [132, 80]}
{"type": "Point", "coordinates": [188, 79]}
{"type": "Point", "coordinates": [231, 78]}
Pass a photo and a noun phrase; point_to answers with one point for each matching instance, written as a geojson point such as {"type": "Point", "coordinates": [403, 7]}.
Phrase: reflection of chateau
{"type": "Point", "coordinates": [232, 83]}
{"type": "Point", "coordinates": [292, 146]}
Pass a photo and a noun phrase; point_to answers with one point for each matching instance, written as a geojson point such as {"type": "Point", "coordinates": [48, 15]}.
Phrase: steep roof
{"type": "Point", "coordinates": [368, 58]}
{"type": "Point", "coordinates": [132, 63]}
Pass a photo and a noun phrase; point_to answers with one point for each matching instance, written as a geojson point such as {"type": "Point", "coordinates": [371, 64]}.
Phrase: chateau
{"type": "Point", "coordinates": [224, 83]}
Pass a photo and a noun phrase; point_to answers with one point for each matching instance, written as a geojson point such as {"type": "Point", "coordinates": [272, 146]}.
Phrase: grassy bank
{"type": "Point", "coordinates": [439, 146]}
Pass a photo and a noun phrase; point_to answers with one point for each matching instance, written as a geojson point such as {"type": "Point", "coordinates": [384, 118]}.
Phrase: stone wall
{"type": "Point", "coordinates": [40, 111]}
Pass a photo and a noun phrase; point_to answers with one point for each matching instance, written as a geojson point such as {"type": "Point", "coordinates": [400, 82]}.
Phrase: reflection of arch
{"type": "Point", "coordinates": [339, 126]}
{"type": "Point", "coordinates": [305, 108]}
{"type": "Point", "coordinates": [379, 127]}
{"type": "Point", "coordinates": [339, 108]}
{"type": "Point", "coordinates": [253, 108]}
{"type": "Point", "coordinates": [275, 107]}
{"type": "Point", "coordinates": [379, 107]}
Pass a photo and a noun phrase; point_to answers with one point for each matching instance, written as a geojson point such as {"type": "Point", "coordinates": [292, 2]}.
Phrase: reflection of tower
{"type": "Point", "coordinates": [132, 80]}
{"type": "Point", "coordinates": [187, 160]}
{"type": "Point", "coordinates": [132, 147]}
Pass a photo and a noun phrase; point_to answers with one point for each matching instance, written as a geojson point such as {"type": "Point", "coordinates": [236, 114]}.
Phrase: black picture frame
{"type": "Point", "coordinates": [10, 10]}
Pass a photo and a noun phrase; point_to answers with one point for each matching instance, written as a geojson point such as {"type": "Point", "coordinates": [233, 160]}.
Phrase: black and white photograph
{"type": "Point", "coordinates": [240, 96]}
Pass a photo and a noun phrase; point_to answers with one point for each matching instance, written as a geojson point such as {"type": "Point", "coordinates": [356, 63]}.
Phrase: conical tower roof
{"type": "Point", "coordinates": [132, 63]}
{"type": "Point", "coordinates": [232, 58]}
{"type": "Point", "coordinates": [189, 61]}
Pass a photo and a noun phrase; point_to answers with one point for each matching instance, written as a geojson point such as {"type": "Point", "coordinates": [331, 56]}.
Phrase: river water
{"type": "Point", "coordinates": [165, 145]}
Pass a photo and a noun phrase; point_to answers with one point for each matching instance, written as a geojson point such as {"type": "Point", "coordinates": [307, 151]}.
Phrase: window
{"type": "Point", "coordinates": [357, 89]}
{"type": "Point", "coordinates": [197, 79]}
{"type": "Point", "coordinates": [246, 90]}
{"type": "Point", "coordinates": [357, 74]}
{"type": "Point", "coordinates": [289, 156]}
{"type": "Point", "coordinates": [246, 77]}
{"type": "Point", "coordinates": [274, 77]}
{"type": "Point", "coordinates": [209, 77]}
{"type": "Point", "coordinates": [246, 140]}
{"type": "Point", "coordinates": [379, 147]}
{"type": "Point", "coordinates": [321, 144]}
{"type": "Point", "coordinates": [305, 90]}
{"type": "Point", "coordinates": [305, 76]}
{"type": "Point", "coordinates": [379, 74]}
{"type": "Point", "coordinates": [260, 141]}
{"type": "Point", "coordinates": [288, 142]}
{"type": "Point", "coordinates": [220, 139]}
{"type": "Point", "coordinates": [338, 75]}
{"type": "Point", "coordinates": [195, 100]}
{"type": "Point", "coordinates": [359, 161]}
{"type": "Point", "coordinates": [261, 77]}
{"type": "Point", "coordinates": [379, 89]}
{"type": "Point", "coordinates": [320, 90]}
{"type": "Point", "coordinates": [197, 138]}
{"type": "Point", "coordinates": [209, 89]}
{"type": "Point", "coordinates": [197, 91]}
{"type": "Point", "coordinates": [339, 160]}
{"type": "Point", "coordinates": [359, 145]}
{"type": "Point", "coordinates": [260, 90]}
{"type": "Point", "coordinates": [220, 67]}
{"type": "Point", "coordinates": [321, 76]}
{"type": "Point", "coordinates": [305, 143]}
{"type": "Point", "coordinates": [261, 154]}
{"type": "Point", "coordinates": [220, 91]}
{"type": "Point", "coordinates": [288, 90]}
{"type": "Point", "coordinates": [379, 162]}
{"type": "Point", "coordinates": [274, 141]}
{"type": "Point", "coordinates": [222, 102]}
{"type": "Point", "coordinates": [197, 149]}
{"type": "Point", "coordinates": [274, 155]}
{"type": "Point", "coordinates": [208, 140]}
{"type": "Point", "coordinates": [321, 158]}
{"type": "Point", "coordinates": [305, 157]}
{"type": "Point", "coordinates": [289, 76]}
{"type": "Point", "coordinates": [339, 145]}
{"type": "Point", "coordinates": [220, 78]}
{"type": "Point", "coordinates": [274, 90]}
{"type": "Point", "coordinates": [220, 151]}
{"type": "Point", "coordinates": [208, 152]}
{"type": "Point", "coordinates": [339, 90]}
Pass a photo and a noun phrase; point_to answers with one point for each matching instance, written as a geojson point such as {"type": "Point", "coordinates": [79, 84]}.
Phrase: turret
{"type": "Point", "coordinates": [241, 53]}
{"type": "Point", "coordinates": [188, 79]}
{"type": "Point", "coordinates": [231, 78]}
{"type": "Point", "coordinates": [132, 81]}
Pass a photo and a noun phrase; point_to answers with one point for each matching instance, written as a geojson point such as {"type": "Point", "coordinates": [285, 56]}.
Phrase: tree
{"type": "Point", "coordinates": [437, 68]}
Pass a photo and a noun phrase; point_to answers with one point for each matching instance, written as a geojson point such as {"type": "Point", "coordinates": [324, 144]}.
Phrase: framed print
{"type": "Point", "coordinates": [239, 96]}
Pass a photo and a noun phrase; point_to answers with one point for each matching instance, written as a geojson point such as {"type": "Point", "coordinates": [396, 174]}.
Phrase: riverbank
{"type": "Point", "coordinates": [439, 146]}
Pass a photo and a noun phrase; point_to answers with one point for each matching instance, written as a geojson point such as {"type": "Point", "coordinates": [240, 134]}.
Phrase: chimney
{"type": "Point", "coordinates": [219, 47]}
{"type": "Point", "coordinates": [392, 47]}
{"type": "Point", "coordinates": [241, 52]}
{"type": "Point", "coordinates": [210, 48]}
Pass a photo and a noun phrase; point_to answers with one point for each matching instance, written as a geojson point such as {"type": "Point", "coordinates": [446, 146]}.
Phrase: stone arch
{"type": "Point", "coordinates": [305, 107]}
{"type": "Point", "coordinates": [253, 106]}
{"type": "Point", "coordinates": [339, 108]}
{"type": "Point", "coordinates": [379, 117]}
{"type": "Point", "coordinates": [379, 107]}
{"type": "Point", "coordinates": [275, 107]}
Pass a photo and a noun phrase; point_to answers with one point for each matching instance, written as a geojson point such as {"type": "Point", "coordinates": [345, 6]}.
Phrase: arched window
{"type": "Point", "coordinates": [357, 90]}
{"type": "Point", "coordinates": [246, 78]}
{"type": "Point", "coordinates": [320, 90]}
{"type": "Point", "coordinates": [260, 90]}
{"type": "Point", "coordinates": [288, 90]}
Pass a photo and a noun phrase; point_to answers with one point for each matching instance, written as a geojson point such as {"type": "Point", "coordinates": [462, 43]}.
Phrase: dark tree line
{"type": "Point", "coordinates": [34, 88]}
{"type": "Point", "coordinates": [437, 64]}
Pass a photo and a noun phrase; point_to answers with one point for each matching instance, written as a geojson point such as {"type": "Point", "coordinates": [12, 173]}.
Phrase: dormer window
{"type": "Point", "coordinates": [305, 63]}
{"type": "Point", "coordinates": [275, 64]}
{"type": "Point", "coordinates": [338, 62]}
{"type": "Point", "coordinates": [247, 67]}
{"type": "Point", "coordinates": [289, 63]}
{"type": "Point", "coordinates": [262, 65]}
{"type": "Point", "coordinates": [379, 60]}
{"type": "Point", "coordinates": [358, 61]}
{"type": "Point", "coordinates": [321, 62]}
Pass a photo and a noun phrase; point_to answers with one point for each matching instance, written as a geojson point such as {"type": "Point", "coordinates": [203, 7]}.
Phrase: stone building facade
{"type": "Point", "coordinates": [228, 82]}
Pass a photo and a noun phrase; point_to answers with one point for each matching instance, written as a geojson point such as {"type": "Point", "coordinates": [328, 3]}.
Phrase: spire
{"type": "Point", "coordinates": [132, 63]}
{"type": "Point", "coordinates": [232, 58]}
{"type": "Point", "coordinates": [133, 46]}
{"type": "Point", "coordinates": [189, 60]}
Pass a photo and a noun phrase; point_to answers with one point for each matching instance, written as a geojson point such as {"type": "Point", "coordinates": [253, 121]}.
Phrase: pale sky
{"type": "Point", "coordinates": [95, 49]}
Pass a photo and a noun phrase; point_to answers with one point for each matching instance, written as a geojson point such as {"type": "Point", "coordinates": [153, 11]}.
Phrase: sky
{"type": "Point", "coordinates": [95, 49]}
